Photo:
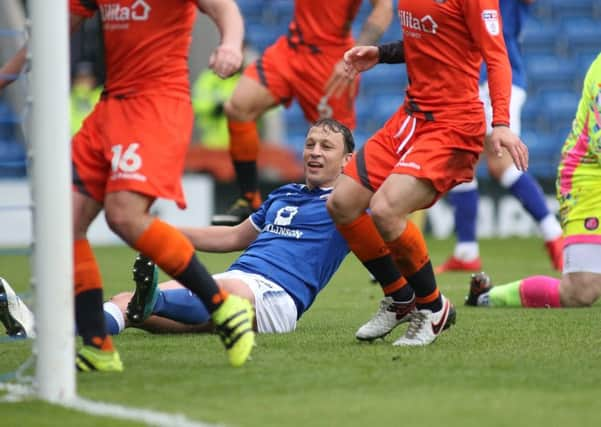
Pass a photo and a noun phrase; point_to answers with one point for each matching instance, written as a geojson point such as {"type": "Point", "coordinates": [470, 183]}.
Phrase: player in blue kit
{"type": "Point", "coordinates": [281, 270]}
{"type": "Point", "coordinates": [283, 266]}
{"type": "Point", "coordinates": [464, 197]}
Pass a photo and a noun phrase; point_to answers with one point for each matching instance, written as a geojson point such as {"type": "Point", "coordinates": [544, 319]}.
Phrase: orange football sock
{"type": "Point", "coordinates": [166, 246]}
{"type": "Point", "coordinates": [244, 141]}
{"type": "Point", "coordinates": [174, 253]}
{"type": "Point", "coordinates": [86, 272]}
{"type": "Point", "coordinates": [365, 241]}
{"type": "Point", "coordinates": [409, 250]}
{"type": "Point", "coordinates": [410, 255]}
{"type": "Point", "coordinates": [89, 314]}
{"type": "Point", "coordinates": [244, 151]}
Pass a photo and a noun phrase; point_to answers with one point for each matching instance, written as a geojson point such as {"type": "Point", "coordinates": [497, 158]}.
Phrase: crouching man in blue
{"type": "Point", "coordinates": [282, 268]}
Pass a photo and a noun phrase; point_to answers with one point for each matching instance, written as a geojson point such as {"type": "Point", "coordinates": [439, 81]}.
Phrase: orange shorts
{"type": "Point", "coordinates": [443, 153]}
{"type": "Point", "coordinates": [300, 73]}
{"type": "Point", "coordinates": [135, 144]}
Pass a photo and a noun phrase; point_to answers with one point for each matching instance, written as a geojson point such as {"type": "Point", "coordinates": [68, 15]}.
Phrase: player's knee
{"type": "Point", "coordinates": [340, 211]}
{"type": "Point", "coordinates": [121, 300]}
{"type": "Point", "coordinates": [498, 165]}
{"type": "Point", "coordinates": [581, 290]}
{"type": "Point", "coordinates": [240, 111]}
{"type": "Point", "coordinates": [121, 221]}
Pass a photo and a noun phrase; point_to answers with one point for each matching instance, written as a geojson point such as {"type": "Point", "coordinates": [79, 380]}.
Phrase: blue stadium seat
{"type": "Point", "coordinates": [532, 114]}
{"type": "Point", "coordinates": [550, 72]}
{"type": "Point", "coordinates": [570, 8]}
{"type": "Point", "coordinates": [385, 106]}
{"type": "Point", "coordinates": [278, 12]}
{"type": "Point", "coordinates": [581, 34]}
{"type": "Point", "coordinates": [251, 10]}
{"type": "Point", "coordinates": [12, 159]}
{"type": "Point", "coordinates": [559, 109]}
{"type": "Point", "coordinates": [544, 152]}
{"type": "Point", "coordinates": [384, 79]}
{"type": "Point", "coordinates": [360, 138]}
{"type": "Point", "coordinates": [296, 124]}
{"type": "Point", "coordinates": [539, 37]}
{"type": "Point", "coordinates": [8, 123]}
{"type": "Point", "coordinates": [261, 36]}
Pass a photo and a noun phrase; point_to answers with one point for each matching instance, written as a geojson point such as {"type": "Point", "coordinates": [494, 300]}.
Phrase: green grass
{"type": "Point", "coordinates": [504, 367]}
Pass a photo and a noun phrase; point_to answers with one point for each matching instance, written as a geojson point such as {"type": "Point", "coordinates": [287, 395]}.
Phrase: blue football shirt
{"type": "Point", "coordinates": [298, 246]}
{"type": "Point", "coordinates": [514, 14]}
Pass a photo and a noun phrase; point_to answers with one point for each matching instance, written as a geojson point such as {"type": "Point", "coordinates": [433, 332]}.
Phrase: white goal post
{"type": "Point", "coordinates": [50, 169]}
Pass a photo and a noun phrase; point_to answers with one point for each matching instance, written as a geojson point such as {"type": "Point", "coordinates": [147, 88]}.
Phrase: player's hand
{"type": "Point", "coordinates": [360, 58]}
{"type": "Point", "coordinates": [503, 137]}
{"type": "Point", "coordinates": [226, 60]}
{"type": "Point", "coordinates": [341, 82]}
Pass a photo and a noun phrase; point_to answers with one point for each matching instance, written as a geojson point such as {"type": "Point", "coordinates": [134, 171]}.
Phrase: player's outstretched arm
{"type": "Point", "coordinates": [377, 22]}
{"type": "Point", "coordinates": [226, 59]}
{"type": "Point", "coordinates": [221, 238]}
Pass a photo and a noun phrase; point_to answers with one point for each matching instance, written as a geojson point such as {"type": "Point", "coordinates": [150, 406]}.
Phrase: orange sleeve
{"type": "Point", "coordinates": [85, 8]}
{"type": "Point", "coordinates": [483, 19]}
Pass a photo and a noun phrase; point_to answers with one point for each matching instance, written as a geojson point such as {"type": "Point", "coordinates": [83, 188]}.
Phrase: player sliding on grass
{"type": "Point", "coordinates": [291, 250]}
{"type": "Point", "coordinates": [579, 196]}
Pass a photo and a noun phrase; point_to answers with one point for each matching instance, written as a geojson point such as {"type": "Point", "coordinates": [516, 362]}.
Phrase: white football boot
{"type": "Point", "coordinates": [14, 314]}
{"type": "Point", "coordinates": [390, 314]}
{"type": "Point", "coordinates": [425, 326]}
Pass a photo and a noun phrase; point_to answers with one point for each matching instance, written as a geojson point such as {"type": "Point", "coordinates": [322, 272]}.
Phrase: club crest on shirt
{"type": "Point", "coordinates": [591, 223]}
{"type": "Point", "coordinates": [491, 21]}
{"type": "Point", "coordinates": [284, 216]}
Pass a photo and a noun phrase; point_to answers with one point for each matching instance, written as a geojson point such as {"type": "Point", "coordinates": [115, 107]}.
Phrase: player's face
{"type": "Point", "coordinates": [324, 157]}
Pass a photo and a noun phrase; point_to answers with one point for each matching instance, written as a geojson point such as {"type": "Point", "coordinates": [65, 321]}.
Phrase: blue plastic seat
{"type": "Point", "coordinates": [550, 72]}
{"type": "Point", "coordinates": [582, 34]}
{"type": "Point", "coordinates": [296, 124]}
{"type": "Point", "coordinates": [539, 37]}
{"type": "Point", "coordinates": [12, 159]}
{"type": "Point", "coordinates": [386, 79]}
{"type": "Point", "coordinates": [570, 8]}
{"type": "Point", "coordinates": [261, 36]}
{"type": "Point", "coordinates": [544, 152]}
{"type": "Point", "coordinates": [560, 109]}
{"type": "Point", "coordinates": [251, 10]}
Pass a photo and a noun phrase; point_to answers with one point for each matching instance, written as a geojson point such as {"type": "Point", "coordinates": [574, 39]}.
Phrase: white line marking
{"type": "Point", "coordinates": [19, 392]}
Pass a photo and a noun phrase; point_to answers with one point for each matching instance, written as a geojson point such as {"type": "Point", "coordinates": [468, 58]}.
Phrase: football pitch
{"type": "Point", "coordinates": [495, 367]}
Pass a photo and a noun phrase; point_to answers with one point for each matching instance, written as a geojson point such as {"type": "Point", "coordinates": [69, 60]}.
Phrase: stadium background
{"type": "Point", "coordinates": [499, 368]}
{"type": "Point", "coordinates": [559, 41]}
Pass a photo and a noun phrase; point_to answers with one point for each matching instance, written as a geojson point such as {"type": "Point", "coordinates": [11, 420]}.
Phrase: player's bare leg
{"type": "Point", "coordinates": [97, 353]}
{"type": "Point", "coordinates": [397, 197]}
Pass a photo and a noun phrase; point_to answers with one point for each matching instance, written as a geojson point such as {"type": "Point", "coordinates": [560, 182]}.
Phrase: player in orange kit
{"type": "Point", "coordinates": [307, 65]}
{"type": "Point", "coordinates": [428, 146]}
{"type": "Point", "coordinates": [131, 150]}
